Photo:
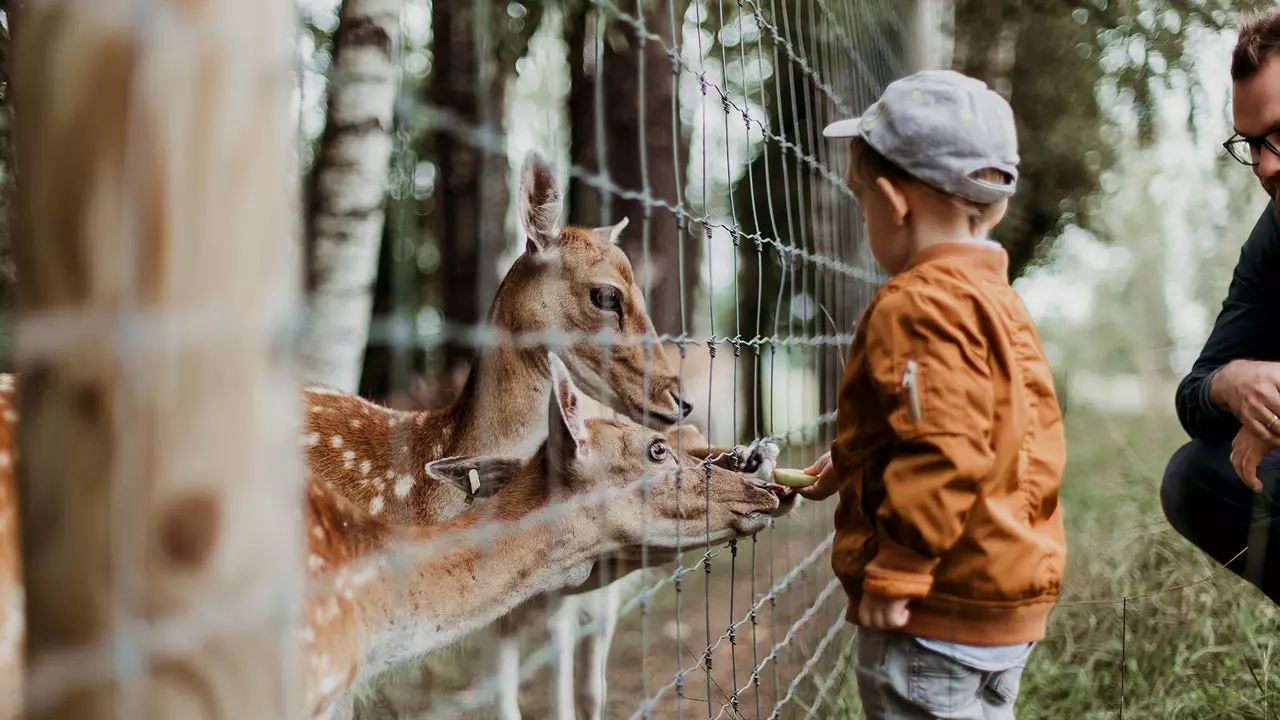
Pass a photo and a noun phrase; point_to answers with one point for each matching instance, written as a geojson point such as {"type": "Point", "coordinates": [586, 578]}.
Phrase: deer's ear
{"type": "Point", "coordinates": [566, 431]}
{"type": "Point", "coordinates": [614, 232]}
{"type": "Point", "coordinates": [539, 203]}
{"type": "Point", "coordinates": [492, 473]}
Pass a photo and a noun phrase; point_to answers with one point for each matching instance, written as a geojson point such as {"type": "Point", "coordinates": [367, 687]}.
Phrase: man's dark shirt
{"type": "Point", "coordinates": [1248, 327]}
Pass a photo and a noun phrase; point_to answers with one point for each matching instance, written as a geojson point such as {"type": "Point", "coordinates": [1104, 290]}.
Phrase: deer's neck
{"type": "Point", "coordinates": [470, 572]}
{"type": "Point", "coordinates": [376, 457]}
{"type": "Point", "coordinates": [502, 408]}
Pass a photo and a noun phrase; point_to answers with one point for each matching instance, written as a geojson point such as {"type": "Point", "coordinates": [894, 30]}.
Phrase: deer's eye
{"type": "Point", "coordinates": [658, 451]}
{"type": "Point", "coordinates": [606, 298]}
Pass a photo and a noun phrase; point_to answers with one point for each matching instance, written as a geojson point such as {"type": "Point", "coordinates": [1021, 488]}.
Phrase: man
{"type": "Point", "coordinates": [1222, 490]}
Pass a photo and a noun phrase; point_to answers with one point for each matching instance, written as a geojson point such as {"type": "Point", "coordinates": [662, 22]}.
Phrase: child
{"type": "Point", "coordinates": [949, 446]}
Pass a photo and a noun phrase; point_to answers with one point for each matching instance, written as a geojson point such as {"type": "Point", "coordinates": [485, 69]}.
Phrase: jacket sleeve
{"type": "Point", "coordinates": [1243, 330]}
{"type": "Point", "coordinates": [934, 342]}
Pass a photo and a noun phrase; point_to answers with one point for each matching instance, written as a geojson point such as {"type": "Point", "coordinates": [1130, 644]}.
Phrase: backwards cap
{"type": "Point", "coordinates": [941, 127]}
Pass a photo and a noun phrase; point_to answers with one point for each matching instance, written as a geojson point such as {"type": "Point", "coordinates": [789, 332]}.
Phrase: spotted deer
{"type": "Point", "coordinates": [569, 280]}
{"type": "Point", "coordinates": [593, 489]}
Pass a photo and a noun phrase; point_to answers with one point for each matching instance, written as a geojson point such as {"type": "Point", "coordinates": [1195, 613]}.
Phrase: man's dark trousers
{"type": "Point", "coordinates": [1207, 502]}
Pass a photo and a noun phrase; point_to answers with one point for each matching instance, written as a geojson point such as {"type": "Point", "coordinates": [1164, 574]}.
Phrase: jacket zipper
{"type": "Point", "coordinates": [909, 385]}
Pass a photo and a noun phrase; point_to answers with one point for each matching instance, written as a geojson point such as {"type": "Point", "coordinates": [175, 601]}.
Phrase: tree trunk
{"type": "Point", "coordinates": [474, 53]}
{"type": "Point", "coordinates": [471, 188]}
{"type": "Point", "coordinates": [639, 135]}
{"type": "Point", "coordinates": [159, 276]}
{"type": "Point", "coordinates": [348, 186]}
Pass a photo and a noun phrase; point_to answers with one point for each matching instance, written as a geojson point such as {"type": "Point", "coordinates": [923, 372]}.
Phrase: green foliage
{"type": "Point", "coordinates": [1049, 58]}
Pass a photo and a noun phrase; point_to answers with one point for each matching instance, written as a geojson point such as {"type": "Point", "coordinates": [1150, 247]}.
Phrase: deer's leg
{"type": "Point", "coordinates": [508, 665]}
{"type": "Point", "coordinates": [600, 607]}
{"type": "Point", "coordinates": [508, 678]}
{"type": "Point", "coordinates": [564, 629]}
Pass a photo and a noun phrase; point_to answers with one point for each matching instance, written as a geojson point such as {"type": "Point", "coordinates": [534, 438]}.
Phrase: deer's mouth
{"type": "Point", "coordinates": [752, 521]}
{"type": "Point", "coordinates": [788, 498]}
{"type": "Point", "coordinates": [653, 419]}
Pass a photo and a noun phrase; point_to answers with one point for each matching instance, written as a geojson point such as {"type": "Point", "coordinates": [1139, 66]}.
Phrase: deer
{"type": "Point", "coordinates": [594, 487]}
{"type": "Point", "coordinates": [569, 280]}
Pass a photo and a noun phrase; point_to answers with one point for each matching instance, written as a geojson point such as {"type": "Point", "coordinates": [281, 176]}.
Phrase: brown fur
{"type": "Point", "coordinates": [379, 459]}
{"type": "Point", "coordinates": [353, 594]}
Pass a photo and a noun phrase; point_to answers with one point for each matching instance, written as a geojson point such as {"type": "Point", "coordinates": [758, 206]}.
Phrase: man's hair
{"type": "Point", "coordinates": [866, 165]}
{"type": "Point", "coordinates": [1258, 42]}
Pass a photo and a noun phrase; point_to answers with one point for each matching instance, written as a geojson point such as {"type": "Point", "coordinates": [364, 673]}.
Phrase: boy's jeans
{"type": "Point", "coordinates": [900, 679]}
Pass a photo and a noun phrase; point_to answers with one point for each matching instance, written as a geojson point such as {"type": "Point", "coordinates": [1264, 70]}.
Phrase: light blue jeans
{"type": "Point", "coordinates": [900, 679]}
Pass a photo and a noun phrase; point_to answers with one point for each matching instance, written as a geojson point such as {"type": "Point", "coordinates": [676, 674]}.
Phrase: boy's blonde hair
{"type": "Point", "coordinates": [866, 164]}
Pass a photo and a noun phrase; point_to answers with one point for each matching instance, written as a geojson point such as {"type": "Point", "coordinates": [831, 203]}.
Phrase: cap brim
{"type": "Point", "coordinates": [851, 127]}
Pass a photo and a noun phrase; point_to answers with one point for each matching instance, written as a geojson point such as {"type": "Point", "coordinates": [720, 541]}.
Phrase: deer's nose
{"type": "Point", "coordinates": [685, 408]}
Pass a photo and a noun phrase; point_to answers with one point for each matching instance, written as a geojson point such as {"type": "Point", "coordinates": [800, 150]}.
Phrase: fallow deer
{"type": "Point", "coordinates": [572, 281]}
{"type": "Point", "coordinates": [593, 489]}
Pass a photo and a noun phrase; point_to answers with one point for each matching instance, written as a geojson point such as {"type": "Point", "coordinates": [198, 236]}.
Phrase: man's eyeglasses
{"type": "Point", "coordinates": [1248, 150]}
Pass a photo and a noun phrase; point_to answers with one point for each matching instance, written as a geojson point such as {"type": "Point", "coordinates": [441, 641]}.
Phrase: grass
{"type": "Point", "coordinates": [1147, 623]}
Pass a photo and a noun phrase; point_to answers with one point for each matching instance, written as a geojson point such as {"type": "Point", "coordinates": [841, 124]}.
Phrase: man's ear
{"type": "Point", "coordinates": [566, 430]}
{"type": "Point", "coordinates": [897, 199]}
{"type": "Point", "coordinates": [491, 473]}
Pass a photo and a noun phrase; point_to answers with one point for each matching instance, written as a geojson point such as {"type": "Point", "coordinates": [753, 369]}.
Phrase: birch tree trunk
{"type": "Point", "coordinates": [347, 195]}
{"type": "Point", "coordinates": [159, 477]}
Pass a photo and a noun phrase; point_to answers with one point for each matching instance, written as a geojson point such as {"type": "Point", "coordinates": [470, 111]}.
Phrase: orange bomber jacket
{"type": "Point", "coordinates": [950, 449]}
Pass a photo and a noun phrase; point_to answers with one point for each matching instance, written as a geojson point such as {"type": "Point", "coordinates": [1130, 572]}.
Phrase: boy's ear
{"type": "Point", "coordinates": [897, 199]}
{"type": "Point", "coordinates": [997, 214]}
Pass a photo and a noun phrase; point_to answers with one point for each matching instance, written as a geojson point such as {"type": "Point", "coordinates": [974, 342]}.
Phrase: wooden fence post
{"type": "Point", "coordinates": [158, 286]}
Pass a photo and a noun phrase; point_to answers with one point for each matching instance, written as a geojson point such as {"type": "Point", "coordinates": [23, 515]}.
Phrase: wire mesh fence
{"type": "Point", "coordinates": [699, 123]}
{"type": "Point", "coordinates": [685, 133]}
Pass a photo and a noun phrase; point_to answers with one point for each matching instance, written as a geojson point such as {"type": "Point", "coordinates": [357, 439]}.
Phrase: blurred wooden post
{"type": "Point", "coordinates": [158, 272]}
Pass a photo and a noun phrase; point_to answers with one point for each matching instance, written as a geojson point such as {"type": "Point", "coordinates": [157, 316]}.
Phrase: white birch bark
{"type": "Point", "coordinates": [346, 204]}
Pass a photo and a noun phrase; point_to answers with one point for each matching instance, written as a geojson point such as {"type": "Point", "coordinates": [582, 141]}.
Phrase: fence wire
{"type": "Point", "coordinates": [781, 276]}
{"type": "Point", "coordinates": [754, 218]}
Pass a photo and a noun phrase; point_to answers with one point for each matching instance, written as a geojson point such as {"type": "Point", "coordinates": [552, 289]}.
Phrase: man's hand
{"type": "Point", "coordinates": [1251, 390]}
{"type": "Point", "coordinates": [826, 486]}
{"type": "Point", "coordinates": [1247, 450]}
{"type": "Point", "coordinates": [882, 613]}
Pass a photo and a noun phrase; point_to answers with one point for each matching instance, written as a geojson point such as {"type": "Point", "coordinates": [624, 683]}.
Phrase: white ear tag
{"type": "Point", "coordinates": [475, 480]}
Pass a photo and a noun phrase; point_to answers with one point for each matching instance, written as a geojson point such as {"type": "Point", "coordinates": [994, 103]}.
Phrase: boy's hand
{"type": "Point", "coordinates": [882, 613]}
{"type": "Point", "coordinates": [826, 486]}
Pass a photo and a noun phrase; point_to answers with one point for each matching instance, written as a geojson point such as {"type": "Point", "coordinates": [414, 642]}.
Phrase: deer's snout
{"type": "Point", "coordinates": [686, 407]}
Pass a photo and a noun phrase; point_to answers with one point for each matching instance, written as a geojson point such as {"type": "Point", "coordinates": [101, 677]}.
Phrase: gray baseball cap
{"type": "Point", "coordinates": [941, 126]}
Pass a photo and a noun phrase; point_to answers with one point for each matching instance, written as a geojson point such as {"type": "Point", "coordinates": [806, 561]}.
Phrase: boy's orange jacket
{"type": "Point", "coordinates": [949, 448]}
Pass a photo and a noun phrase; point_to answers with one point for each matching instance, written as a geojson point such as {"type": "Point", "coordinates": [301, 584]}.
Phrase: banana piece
{"type": "Point", "coordinates": [792, 478]}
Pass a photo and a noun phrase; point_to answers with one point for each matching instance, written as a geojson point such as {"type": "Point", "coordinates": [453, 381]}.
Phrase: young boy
{"type": "Point", "coordinates": [949, 446]}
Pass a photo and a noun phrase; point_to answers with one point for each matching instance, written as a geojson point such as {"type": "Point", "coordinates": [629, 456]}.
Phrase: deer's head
{"type": "Point", "coordinates": [638, 487]}
{"type": "Point", "coordinates": [577, 281]}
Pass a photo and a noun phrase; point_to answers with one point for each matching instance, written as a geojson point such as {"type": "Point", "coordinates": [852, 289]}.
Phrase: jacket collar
{"type": "Point", "coordinates": [984, 255]}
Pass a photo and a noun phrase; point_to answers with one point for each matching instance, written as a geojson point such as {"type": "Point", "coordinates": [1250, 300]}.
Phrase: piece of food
{"type": "Point", "coordinates": [793, 478]}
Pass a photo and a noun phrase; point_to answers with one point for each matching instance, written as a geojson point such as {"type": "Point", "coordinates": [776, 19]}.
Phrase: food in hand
{"type": "Point", "coordinates": [793, 478]}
